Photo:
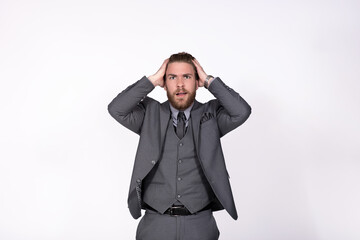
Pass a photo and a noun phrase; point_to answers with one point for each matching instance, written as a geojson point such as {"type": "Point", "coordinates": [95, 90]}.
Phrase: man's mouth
{"type": "Point", "coordinates": [181, 94]}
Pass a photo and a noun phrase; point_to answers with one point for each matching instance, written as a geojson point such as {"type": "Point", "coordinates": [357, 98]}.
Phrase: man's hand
{"type": "Point", "coordinates": [157, 79]}
{"type": "Point", "coordinates": [201, 73]}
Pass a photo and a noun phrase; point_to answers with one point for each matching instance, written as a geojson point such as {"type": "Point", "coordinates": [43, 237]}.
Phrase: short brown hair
{"type": "Point", "coordinates": [183, 57]}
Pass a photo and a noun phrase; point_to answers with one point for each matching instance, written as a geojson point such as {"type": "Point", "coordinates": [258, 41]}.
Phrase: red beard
{"type": "Point", "coordinates": [181, 99]}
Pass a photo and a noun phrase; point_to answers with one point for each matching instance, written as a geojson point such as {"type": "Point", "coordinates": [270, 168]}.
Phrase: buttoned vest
{"type": "Point", "coordinates": [178, 177]}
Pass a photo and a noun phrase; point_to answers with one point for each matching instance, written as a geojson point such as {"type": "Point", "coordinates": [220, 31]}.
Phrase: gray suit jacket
{"type": "Point", "coordinates": [212, 120]}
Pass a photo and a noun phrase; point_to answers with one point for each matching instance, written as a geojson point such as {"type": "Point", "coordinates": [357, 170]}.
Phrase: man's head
{"type": "Point", "coordinates": [181, 80]}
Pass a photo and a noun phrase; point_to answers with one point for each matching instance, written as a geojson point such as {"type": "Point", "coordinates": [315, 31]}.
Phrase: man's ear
{"type": "Point", "coordinates": [197, 84]}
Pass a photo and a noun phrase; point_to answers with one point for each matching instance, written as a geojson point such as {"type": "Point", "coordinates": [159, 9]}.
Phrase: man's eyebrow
{"type": "Point", "coordinates": [185, 74]}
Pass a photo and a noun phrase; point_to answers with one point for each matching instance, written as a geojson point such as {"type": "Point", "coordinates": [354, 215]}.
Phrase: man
{"type": "Point", "coordinates": [179, 175]}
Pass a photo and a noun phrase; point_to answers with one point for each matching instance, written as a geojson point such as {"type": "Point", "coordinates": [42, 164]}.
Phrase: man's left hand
{"type": "Point", "coordinates": [201, 73]}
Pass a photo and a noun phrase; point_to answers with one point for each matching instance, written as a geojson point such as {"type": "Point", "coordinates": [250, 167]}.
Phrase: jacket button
{"type": "Point", "coordinates": [153, 162]}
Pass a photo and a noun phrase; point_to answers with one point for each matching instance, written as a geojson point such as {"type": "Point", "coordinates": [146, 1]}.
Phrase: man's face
{"type": "Point", "coordinates": [180, 84]}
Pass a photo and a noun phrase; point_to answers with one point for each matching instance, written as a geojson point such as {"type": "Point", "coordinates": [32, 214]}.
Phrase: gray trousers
{"type": "Point", "coordinates": [155, 226]}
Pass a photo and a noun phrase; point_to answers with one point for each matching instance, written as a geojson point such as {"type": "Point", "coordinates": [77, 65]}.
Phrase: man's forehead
{"type": "Point", "coordinates": [180, 67]}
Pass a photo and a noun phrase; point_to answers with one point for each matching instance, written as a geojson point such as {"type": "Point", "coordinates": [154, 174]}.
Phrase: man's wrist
{"type": "Point", "coordinates": [208, 81]}
{"type": "Point", "coordinates": [152, 79]}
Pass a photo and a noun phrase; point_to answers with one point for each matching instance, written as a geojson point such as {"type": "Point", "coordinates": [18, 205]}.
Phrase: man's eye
{"type": "Point", "coordinates": [171, 77]}
{"type": "Point", "coordinates": [187, 77]}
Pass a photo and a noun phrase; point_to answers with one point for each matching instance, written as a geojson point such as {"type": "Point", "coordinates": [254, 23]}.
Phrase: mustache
{"type": "Point", "coordinates": [181, 90]}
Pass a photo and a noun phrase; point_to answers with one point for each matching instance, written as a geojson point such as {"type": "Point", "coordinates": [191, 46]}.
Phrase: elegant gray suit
{"type": "Point", "coordinates": [210, 121]}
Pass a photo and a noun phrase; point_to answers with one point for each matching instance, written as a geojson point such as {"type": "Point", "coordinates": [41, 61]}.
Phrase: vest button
{"type": "Point", "coordinates": [180, 161]}
{"type": "Point", "coordinates": [181, 144]}
{"type": "Point", "coordinates": [178, 196]}
{"type": "Point", "coordinates": [138, 180]}
{"type": "Point", "coordinates": [179, 178]}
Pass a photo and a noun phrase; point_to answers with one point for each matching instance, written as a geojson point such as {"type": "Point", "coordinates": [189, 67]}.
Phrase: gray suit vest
{"type": "Point", "coordinates": [178, 177]}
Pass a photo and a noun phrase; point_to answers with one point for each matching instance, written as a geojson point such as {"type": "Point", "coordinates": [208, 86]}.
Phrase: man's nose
{"type": "Point", "coordinates": [180, 82]}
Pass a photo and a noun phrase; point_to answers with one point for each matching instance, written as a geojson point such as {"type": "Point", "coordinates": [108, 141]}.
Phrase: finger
{"type": "Point", "coordinates": [199, 67]}
{"type": "Point", "coordinates": [163, 66]}
{"type": "Point", "coordinates": [196, 63]}
{"type": "Point", "coordinates": [165, 62]}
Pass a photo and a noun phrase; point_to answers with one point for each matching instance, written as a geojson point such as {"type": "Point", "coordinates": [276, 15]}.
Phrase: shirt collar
{"type": "Point", "coordinates": [174, 112]}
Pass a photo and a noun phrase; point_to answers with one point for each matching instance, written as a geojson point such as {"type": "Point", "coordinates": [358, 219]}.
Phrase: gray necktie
{"type": "Point", "coordinates": [180, 129]}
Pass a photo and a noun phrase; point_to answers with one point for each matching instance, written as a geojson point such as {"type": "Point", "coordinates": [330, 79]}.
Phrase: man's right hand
{"type": "Point", "coordinates": [157, 79]}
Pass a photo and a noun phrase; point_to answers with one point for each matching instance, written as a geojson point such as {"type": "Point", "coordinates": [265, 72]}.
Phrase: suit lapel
{"type": "Point", "coordinates": [196, 114]}
{"type": "Point", "coordinates": [164, 120]}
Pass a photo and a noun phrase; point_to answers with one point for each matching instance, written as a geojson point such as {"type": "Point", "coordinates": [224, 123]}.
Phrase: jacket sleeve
{"type": "Point", "coordinates": [128, 107]}
{"type": "Point", "coordinates": [231, 109]}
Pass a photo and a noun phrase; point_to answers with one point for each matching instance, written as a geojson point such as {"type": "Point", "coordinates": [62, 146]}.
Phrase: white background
{"type": "Point", "coordinates": [65, 164]}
